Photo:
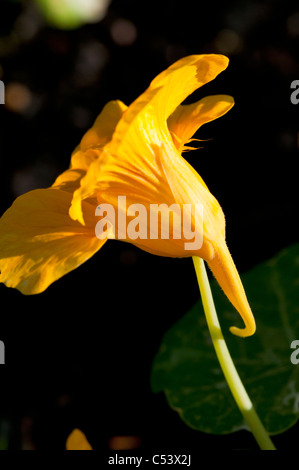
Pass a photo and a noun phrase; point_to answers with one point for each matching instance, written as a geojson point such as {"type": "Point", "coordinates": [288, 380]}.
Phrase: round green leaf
{"type": "Point", "coordinates": [187, 370]}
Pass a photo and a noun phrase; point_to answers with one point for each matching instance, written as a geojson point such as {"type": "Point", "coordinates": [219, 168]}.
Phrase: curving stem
{"type": "Point", "coordinates": [227, 365]}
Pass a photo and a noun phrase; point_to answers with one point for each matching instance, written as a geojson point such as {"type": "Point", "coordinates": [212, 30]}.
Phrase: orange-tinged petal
{"type": "Point", "coordinates": [133, 152]}
{"type": "Point", "coordinates": [188, 187]}
{"type": "Point", "coordinates": [130, 158]}
{"type": "Point", "coordinates": [228, 278]}
{"type": "Point", "coordinates": [156, 225]}
{"type": "Point", "coordinates": [184, 77]}
{"type": "Point", "coordinates": [69, 180]}
{"type": "Point", "coordinates": [143, 162]}
{"type": "Point", "coordinates": [214, 249]}
{"type": "Point", "coordinates": [145, 120]}
{"type": "Point", "coordinates": [77, 441]}
{"type": "Point", "coordinates": [82, 159]}
{"type": "Point", "coordinates": [111, 174]}
{"type": "Point", "coordinates": [40, 242]}
{"type": "Point", "coordinates": [187, 119]}
{"type": "Point", "coordinates": [88, 152]}
{"type": "Point", "coordinates": [104, 125]}
{"type": "Point", "coordinates": [99, 135]}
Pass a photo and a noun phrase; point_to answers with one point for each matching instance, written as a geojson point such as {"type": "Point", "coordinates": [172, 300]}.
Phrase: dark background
{"type": "Point", "coordinates": [80, 354]}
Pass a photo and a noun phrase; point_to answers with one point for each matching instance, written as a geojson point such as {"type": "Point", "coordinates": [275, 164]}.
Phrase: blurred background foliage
{"type": "Point", "coordinates": [80, 354]}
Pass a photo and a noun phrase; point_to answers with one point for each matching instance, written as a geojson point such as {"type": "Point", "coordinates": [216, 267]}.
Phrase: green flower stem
{"type": "Point", "coordinates": [227, 365]}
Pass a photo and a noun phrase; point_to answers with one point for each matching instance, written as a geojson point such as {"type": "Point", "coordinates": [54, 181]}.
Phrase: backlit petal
{"type": "Point", "coordinates": [187, 119]}
{"type": "Point", "coordinates": [184, 77]}
{"type": "Point", "coordinates": [133, 152]}
{"type": "Point", "coordinates": [214, 249]}
{"type": "Point", "coordinates": [100, 134]}
{"type": "Point", "coordinates": [69, 180]}
{"type": "Point", "coordinates": [39, 241]}
{"type": "Point", "coordinates": [131, 159]}
{"type": "Point", "coordinates": [188, 187]}
{"type": "Point", "coordinates": [228, 278]}
{"type": "Point", "coordinates": [145, 120]}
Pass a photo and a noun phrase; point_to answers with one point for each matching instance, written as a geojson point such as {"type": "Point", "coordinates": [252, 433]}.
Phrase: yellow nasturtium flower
{"type": "Point", "coordinates": [135, 152]}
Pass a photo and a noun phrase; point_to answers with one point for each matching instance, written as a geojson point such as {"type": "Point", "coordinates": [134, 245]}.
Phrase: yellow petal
{"type": "Point", "coordinates": [177, 183]}
{"type": "Point", "coordinates": [145, 120]}
{"type": "Point", "coordinates": [87, 189]}
{"type": "Point", "coordinates": [104, 126]}
{"type": "Point", "coordinates": [69, 180]}
{"type": "Point", "coordinates": [214, 249]}
{"type": "Point", "coordinates": [100, 133]}
{"type": "Point", "coordinates": [40, 242]}
{"type": "Point", "coordinates": [184, 77]}
{"type": "Point", "coordinates": [228, 278]}
{"type": "Point", "coordinates": [187, 119]}
{"type": "Point", "coordinates": [187, 187]}
{"type": "Point", "coordinates": [142, 162]}
{"type": "Point", "coordinates": [82, 159]}
{"type": "Point", "coordinates": [77, 441]}
{"type": "Point", "coordinates": [130, 158]}
{"type": "Point", "coordinates": [87, 154]}
{"type": "Point", "coordinates": [146, 220]}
